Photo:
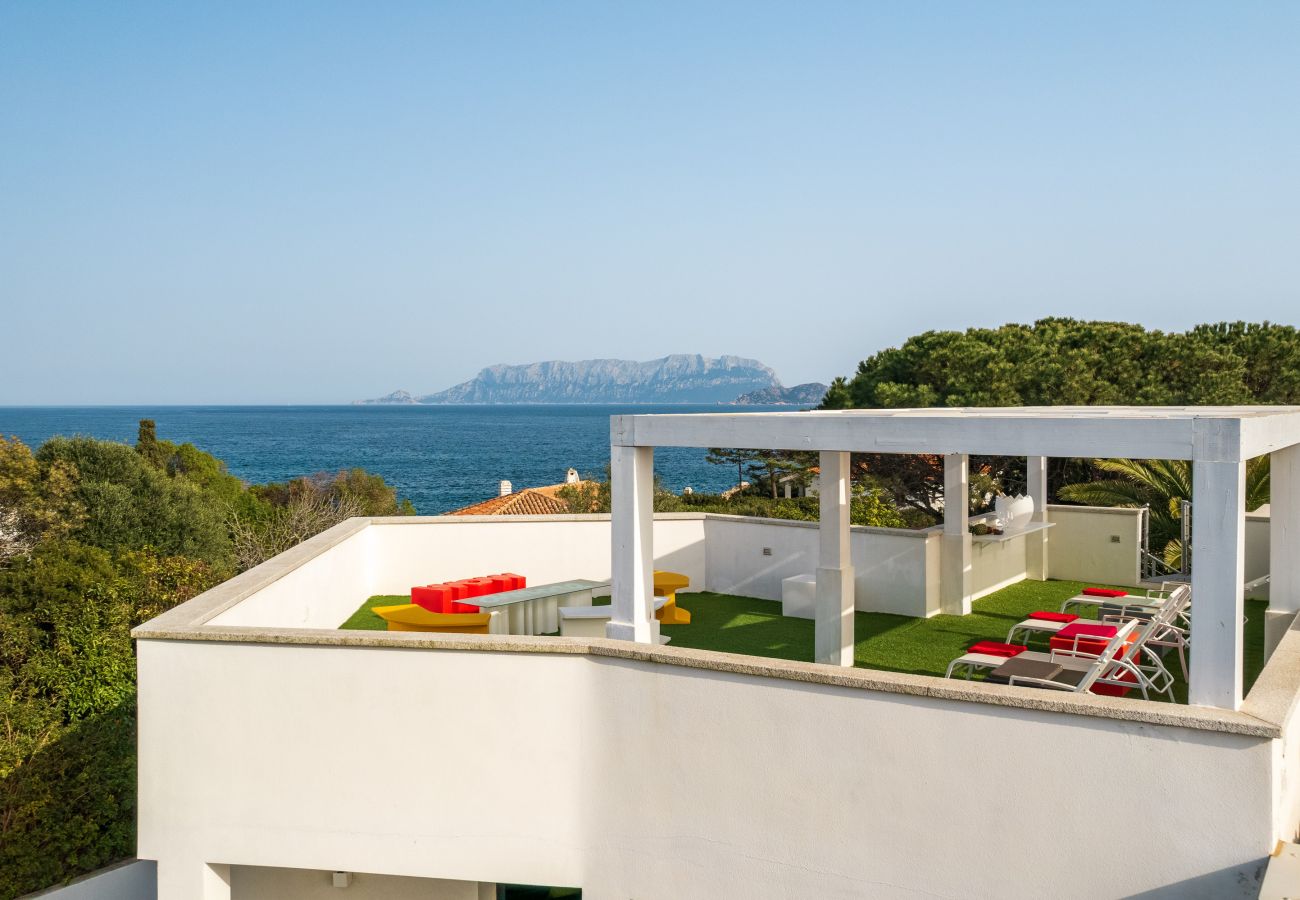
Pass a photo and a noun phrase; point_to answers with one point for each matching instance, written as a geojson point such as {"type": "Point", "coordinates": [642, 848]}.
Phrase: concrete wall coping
{"type": "Point", "coordinates": [1264, 714]}
{"type": "Point", "coordinates": [795, 523]}
{"type": "Point", "coordinates": [1095, 510]}
{"type": "Point", "coordinates": [659, 517]}
{"type": "Point", "coordinates": [1275, 695]}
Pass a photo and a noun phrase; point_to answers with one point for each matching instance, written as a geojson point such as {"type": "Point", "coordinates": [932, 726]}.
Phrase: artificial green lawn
{"type": "Point", "coordinates": [892, 643]}
{"type": "Point", "coordinates": [364, 620]}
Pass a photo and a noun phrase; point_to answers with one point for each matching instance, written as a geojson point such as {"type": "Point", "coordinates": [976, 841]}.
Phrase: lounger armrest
{"type": "Point", "coordinates": [1080, 601]}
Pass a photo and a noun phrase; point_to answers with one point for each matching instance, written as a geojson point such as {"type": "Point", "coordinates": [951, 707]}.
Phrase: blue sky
{"type": "Point", "coordinates": [272, 203]}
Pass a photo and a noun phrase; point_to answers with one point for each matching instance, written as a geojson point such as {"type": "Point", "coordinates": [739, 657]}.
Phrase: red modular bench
{"type": "Point", "coordinates": [447, 597]}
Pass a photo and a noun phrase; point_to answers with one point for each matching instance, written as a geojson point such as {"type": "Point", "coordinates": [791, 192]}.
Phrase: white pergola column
{"type": "Point", "coordinates": [632, 545]}
{"type": "Point", "coordinates": [1036, 567]}
{"type": "Point", "coordinates": [1218, 573]}
{"type": "Point", "coordinates": [192, 880]}
{"type": "Point", "coordinates": [833, 636]}
{"type": "Point", "coordinates": [955, 585]}
{"type": "Point", "coordinates": [1284, 530]}
{"type": "Point", "coordinates": [1283, 543]}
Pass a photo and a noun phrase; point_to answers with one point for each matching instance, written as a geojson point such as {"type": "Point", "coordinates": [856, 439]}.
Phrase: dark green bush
{"type": "Point", "coordinates": [130, 503]}
{"type": "Point", "coordinates": [70, 807]}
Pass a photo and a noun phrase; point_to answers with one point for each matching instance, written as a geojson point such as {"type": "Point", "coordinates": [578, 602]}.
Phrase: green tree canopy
{"type": "Point", "coordinates": [129, 503]}
{"type": "Point", "coordinates": [1059, 361]}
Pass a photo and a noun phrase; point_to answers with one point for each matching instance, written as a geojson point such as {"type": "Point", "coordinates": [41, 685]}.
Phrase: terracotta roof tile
{"type": "Point", "coordinates": [528, 502]}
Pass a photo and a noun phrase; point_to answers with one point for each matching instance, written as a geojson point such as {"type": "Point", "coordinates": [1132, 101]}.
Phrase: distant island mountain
{"type": "Point", "coordinates": [681, 378]}
{"type": "Point", "coordinates": [809, 394]}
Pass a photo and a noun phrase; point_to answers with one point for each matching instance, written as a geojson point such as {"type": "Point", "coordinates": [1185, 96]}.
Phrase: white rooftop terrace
{"type": "Point", "coordinates": [271, 741]}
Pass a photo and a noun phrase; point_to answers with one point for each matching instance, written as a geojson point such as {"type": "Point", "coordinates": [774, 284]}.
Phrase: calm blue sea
{"type": "Point", "coordinates": [441, 457]}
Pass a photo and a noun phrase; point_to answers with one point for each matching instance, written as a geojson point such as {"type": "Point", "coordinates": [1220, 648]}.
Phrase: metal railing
{"type": "Point", "coordinates": [1153, 564]}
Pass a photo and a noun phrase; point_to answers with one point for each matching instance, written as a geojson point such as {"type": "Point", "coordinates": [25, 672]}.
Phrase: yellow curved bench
{"type": "Point", "coordinates": [409, 617]}
{"type": "Point", "coordinates": [667, 584]}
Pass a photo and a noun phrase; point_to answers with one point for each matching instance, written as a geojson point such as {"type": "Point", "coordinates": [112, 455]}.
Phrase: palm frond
{"type": "Point", "coordinates": [1173, 554]}
{"type": "Point", "coordinates": [1106, 493]}
{"type": "Point", "coordinates": [1258, 482]}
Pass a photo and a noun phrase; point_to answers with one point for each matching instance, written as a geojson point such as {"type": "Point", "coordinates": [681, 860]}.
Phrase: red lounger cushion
{"type": "Point", "coordinates": [1045, 616]}
{"type": "Point", "coordinates": [1104, 592]}
{"type": "Point", "coordinates": [1087, 629]}
{"type": "Point", "coordinates": [995, 648]}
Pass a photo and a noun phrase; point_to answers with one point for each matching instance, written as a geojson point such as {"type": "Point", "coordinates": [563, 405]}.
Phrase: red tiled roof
{"type": "Point", "coordinates": [528, 502]}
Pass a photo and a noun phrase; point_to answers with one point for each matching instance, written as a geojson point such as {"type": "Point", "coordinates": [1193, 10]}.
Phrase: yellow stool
{"type": "Point", "coordinates": [409, 617]}
{"type": "Point", "coordinates": [667, 584]}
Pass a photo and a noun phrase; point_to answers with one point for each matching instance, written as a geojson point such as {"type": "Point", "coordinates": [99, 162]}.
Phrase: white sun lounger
{"type": "Point", "coordinates": [1149, 677]}
{"type": "Point", "coordinates": [1080, 681]}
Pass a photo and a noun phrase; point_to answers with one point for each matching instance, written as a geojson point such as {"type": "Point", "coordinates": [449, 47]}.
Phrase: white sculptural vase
{"type": "Point", "coordinates": [1014, 513]}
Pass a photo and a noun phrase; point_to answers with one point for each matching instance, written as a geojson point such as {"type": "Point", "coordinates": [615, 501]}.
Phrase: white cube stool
{"type": "Point", "coordinates": [799, 596]}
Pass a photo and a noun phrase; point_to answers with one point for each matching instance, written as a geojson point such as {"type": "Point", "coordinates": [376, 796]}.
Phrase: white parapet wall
{"type": "Point", "coordinates": [1095, 543]}
{"type": "Point", "coordinates": [1101, 544]}
{"type": "Point", "coordinates": [544, 550]}
{"type": "Point", "coordinates": [635, 778]}
{"type": "Point", "coordinates": [896, 570]}
{"type": "Point", "coordinates": [997, 563]}
{"type": "Point", "coordinates": [390, 556]}
{"type": "Point", "coordinates": [1257, 549]}
{"type": "Point", "coordinates": [134, 879]}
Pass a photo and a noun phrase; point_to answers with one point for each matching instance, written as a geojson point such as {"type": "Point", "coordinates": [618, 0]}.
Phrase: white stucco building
{"type": "Point", "coordinates": [276, 749]}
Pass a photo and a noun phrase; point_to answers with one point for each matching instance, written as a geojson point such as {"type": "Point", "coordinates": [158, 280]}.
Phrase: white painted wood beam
{"type": "Point", "coordinates": [1218, 571]}
{"type": "Point", "coordinates": [1284, 531]}
{"type": "Point", "coordinates": [1036, 543]}
{"type": "Point", "coordinates": [632, 545]}
{"type": "Point", "coordinates": [1262, 434]}
{"type": "Point", "coordinates": [1008, 435]}
{"type": "Point", "coordinates": [954, 585]}
{"type": "Point", "coordinates": [833, 633]}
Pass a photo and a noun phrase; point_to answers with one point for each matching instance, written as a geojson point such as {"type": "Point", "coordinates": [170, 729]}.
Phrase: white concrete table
{"type": "Point", "coordinates": [534, 610]}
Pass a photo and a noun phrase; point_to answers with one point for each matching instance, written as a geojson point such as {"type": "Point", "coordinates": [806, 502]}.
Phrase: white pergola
{"type": "Point", "coordinates": [1217, 440]}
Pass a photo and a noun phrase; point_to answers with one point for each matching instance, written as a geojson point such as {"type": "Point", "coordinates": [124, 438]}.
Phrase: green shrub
{"type": "Point", "coordinates": [70, 807]}
{"type": "Point", "coordinates": [67, 703]}
{"type": "Point", "coordinates": [96, 537]}
{"type": "Point", "coordinates": [130, 503]}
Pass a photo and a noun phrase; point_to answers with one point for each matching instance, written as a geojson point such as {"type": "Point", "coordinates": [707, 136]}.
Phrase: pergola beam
{"type": "Point", "coordinates": [985, 434]}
